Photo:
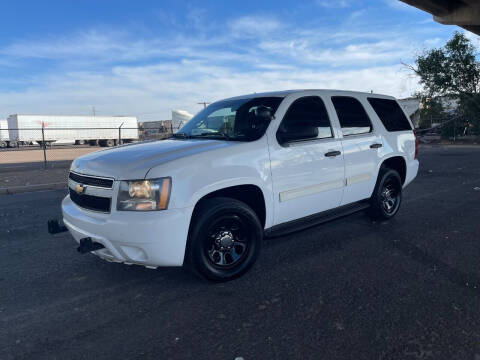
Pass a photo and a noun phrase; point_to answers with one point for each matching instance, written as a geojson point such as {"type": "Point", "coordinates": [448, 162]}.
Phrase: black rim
{"type": "Point", "coordinates": [227, 242]}
{"type": "Point", "coordinates": [390, 196]}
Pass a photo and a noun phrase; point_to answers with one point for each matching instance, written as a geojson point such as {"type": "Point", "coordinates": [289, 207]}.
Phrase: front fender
{"type": "Point", "coordinates": [195, 176]}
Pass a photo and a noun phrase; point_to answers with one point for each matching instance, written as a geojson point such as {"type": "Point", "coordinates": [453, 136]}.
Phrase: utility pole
{"type": "Point", "coordinates": [204, 103]}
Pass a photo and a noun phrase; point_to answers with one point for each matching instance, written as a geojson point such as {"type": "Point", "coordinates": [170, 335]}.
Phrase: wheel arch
{"type": "Point", "coordinates": [397, 163]}
{"type": "Point", "coordinates": [250, 194]}
{"type": "Point", "coordinates": [247, 192]}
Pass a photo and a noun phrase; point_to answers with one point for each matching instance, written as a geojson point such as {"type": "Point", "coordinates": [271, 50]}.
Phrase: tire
{"type": "Point", "coordinates": [106, 143]}
{"type": "Point", "coordinates": [3, 144]}
{"type": "Point", "coordinates": [93, 142]}
{"type": "Point", "coordinates": [387, 195]}
{"type": "Point", "coordinates": [225, 239]}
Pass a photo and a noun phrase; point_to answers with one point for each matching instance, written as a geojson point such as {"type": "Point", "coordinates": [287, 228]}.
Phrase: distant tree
{"type": "Point", "coordinates": [451, 71]}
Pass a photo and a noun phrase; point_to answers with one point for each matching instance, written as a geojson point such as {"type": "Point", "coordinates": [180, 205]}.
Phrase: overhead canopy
{"type": "Point", "coordinates": [464, 13]}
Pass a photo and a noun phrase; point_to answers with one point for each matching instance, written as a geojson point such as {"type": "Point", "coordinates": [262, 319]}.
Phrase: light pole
{"type": "Point", "coordinates": [204, 103]}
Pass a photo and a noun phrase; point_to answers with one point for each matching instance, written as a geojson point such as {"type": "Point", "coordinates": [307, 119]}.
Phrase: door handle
{"type": "Point", "coordinates": [332, 153]}
{"type": "Point", "coordinates": [375, 146]}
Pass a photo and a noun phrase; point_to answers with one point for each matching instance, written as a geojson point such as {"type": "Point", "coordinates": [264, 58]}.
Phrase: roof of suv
{"type": "Point", "coordinates": [284, 93]}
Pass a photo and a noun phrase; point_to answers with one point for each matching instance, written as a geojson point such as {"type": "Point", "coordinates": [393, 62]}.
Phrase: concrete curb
{"type": "Point", "coordinates": [29, 188]}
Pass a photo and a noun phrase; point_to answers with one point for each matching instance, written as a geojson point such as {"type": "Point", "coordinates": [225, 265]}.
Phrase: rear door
{"type": "Point", "coordinates": [360, 143]}
{"type": "Point", "coordinates": [306, 159]}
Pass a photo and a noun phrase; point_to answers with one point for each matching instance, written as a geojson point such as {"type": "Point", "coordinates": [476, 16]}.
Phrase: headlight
{"type": "Point", "coordinates": [144, 195]}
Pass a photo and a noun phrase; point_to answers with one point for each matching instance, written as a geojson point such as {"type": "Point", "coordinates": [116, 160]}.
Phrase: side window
{"type": "Point", "coordinates": [352, 116]}
{"type": "Point", "coordinates": [390, 113]}
{"type": "Point", "coordinates": [306, 119]}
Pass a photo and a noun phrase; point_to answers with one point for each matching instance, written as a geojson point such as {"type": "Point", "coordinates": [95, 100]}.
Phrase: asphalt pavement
{"type": "Point", "coordinates": [349, 289]}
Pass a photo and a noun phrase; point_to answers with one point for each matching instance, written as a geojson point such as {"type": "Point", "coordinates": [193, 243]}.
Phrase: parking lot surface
{"type": "Point", "coordinates": [349, 289]}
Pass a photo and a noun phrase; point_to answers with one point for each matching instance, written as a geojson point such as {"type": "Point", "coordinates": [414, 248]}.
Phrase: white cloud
{"type": "Point", "coordinates": [334, 3]}
{"type": "Point", "coordinates": [120, 74]}
{"type": "Point", "coordinates": [254, 25]}
{"type": "Point", "coordinates": [400, 5]}
{"type": "Point", "coordinates": [160, 88]}
{"type": "Point", "coordinates": [475, 39]}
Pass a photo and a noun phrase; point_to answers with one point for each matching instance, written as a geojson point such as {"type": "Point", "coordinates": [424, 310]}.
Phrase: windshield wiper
{"type": "Point", "coordinates": [180, 135]}
{"type": "Point", "coordinates": [214, 134]}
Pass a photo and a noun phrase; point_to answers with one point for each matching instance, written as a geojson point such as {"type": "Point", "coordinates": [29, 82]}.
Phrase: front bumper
{"type": "Point", "coordinates": [152, 239]}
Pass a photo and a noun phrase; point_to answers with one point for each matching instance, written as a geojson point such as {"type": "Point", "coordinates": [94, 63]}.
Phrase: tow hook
{"type": "Point", "coordinates": [54, 227]}
{"type": "Point", "coordinates": [87, 245]}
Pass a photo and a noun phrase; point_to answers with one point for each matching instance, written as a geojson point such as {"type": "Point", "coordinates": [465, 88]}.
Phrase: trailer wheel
{"type": "Point", "coordinates": [109, 142]}
{"type": "Point", "coordinates": [93, 142]}
{"type": "Point", "coordinates": [3, 144]}
{"type": "Point", "coordinates": [12, 144]}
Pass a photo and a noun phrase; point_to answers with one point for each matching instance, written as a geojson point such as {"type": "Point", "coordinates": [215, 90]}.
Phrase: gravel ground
{"type": "Point", "coordinates": [18, 157]}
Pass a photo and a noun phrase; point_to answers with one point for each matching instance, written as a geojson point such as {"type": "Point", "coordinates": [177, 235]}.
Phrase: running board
{"type": "Point", "coordinates": [315, 219]}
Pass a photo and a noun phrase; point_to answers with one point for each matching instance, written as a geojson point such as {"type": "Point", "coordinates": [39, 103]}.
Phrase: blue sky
{"type": "Point", "coordinates": [146, 58]}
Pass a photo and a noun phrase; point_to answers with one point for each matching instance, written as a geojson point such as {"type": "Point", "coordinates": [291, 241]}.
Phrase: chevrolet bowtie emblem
{"type": "Point", "coordinates": [80, 189]}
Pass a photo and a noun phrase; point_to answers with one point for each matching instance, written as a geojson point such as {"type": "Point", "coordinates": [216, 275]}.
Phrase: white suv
{"type": "Point", "coordinates": [243, 168]}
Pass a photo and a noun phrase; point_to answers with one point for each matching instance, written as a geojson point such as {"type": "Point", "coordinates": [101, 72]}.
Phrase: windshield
{"type": "Point", "coordinates": [237, 120]}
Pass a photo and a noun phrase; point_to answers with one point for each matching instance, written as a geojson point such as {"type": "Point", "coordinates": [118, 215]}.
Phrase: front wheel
{"type": "Point", "coordinates": [387, 196]}
{"type": "Point", "coordinates": [225, 239]}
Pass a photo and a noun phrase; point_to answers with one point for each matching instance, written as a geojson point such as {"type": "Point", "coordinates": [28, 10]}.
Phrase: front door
{"type": "Point", "coordinates": [306, 161]}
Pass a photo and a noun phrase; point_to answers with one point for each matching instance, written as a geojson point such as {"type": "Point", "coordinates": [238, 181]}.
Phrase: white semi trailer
{"type": "Point", "coordinates": [4, 137]}
{"type": "Point", "coordinates": [93, 130]}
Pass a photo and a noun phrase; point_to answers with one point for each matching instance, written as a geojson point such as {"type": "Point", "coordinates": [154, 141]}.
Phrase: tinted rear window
{"type": "Point", "coordinates": [390, 113]}
{"type": "Point", "coordinates": [352, 116]}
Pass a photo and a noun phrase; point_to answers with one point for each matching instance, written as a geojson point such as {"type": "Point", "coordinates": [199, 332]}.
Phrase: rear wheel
{"type": "Point", "coordinates": [387, 196]}
{"type": "Point", "coordinates": [3, 144]}
{"type": "Point", "coordinates": [225, 239]}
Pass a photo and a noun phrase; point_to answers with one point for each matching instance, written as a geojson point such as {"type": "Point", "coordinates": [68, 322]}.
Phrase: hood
{"type": "Point", "coordinates": [133, 161]}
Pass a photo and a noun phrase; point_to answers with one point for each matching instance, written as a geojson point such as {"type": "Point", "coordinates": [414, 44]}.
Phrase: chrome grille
{"type": "Point", "coordinates": [91, 180]}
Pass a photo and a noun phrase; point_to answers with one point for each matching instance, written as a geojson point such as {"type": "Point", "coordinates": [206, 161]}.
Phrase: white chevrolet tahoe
{"type": "Point", "coordinates": [243, 168]}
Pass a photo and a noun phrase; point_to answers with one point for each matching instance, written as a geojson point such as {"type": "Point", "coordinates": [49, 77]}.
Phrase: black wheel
{"type": "Point", "coordinates": [3, 144]}
{"type": "Point", "coordinates": [93, 142]}
{"type": "Point", "coordinates": [225, 239]}
{"type": "Point", "coordinates": [387, 196]}
{"type": "Point", "coordinates": [109, 143]}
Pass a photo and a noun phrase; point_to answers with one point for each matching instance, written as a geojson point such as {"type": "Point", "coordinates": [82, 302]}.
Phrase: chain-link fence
{"type": "Point", "coordinates": [50, 147]}
{"type": "Point", "coordinates": [457, 129]}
